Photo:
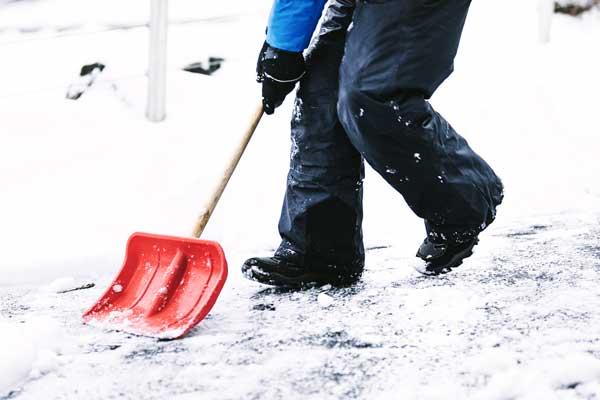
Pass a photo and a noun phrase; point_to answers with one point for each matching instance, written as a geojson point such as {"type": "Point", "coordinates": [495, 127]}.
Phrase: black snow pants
{"type": "Point", "coordinates": [371, 69]}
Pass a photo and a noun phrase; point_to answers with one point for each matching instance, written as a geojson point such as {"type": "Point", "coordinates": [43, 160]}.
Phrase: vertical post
{"type": "Point", "coordinates": [545, 13]}
{"type": "Point", "coordinates": [157, 61]}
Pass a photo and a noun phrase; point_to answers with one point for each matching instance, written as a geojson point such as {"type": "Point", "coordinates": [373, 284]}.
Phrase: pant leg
{"type": "Point", "coordinates": [397, 54]}
{"type": "Point", "coordinates": [322, 210]}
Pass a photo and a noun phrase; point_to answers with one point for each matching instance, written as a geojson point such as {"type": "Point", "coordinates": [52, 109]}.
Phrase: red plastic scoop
{"type": "Point", "coordinates": [168, 284]}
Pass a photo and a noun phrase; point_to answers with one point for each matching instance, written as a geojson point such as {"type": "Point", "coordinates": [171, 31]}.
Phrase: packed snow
{"type": "Point", "coordinates": [519, 320]}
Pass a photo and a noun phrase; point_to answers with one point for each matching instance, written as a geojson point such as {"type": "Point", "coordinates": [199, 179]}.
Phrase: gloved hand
{"type": "Point", "coordinates": [278, 71]}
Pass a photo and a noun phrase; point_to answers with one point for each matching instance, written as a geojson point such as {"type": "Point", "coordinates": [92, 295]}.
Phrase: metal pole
{"type": "Point", "coordinates": [545, 13]}
{"type": "Point", "coordinates": [157, 61]}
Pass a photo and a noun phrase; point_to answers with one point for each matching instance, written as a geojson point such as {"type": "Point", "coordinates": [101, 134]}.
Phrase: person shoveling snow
{"type": "Point", "coordinates": [363, 95]}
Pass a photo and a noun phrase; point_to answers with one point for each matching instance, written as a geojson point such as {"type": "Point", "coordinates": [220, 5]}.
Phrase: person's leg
{"type": "Point", "coordinates": [321, 218]}
{"type": "Point", "coordinates": [397, 54]}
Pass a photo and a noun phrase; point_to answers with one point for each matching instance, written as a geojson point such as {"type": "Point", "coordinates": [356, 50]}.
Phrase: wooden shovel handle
{"type": "Point", "coordinates": [222, 183]}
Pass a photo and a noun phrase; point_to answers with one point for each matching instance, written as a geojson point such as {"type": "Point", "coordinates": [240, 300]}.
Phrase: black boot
{"type": "Point", "coordinates": [278, 271]}
{"type": "Point", "coordinates": [442, 256]}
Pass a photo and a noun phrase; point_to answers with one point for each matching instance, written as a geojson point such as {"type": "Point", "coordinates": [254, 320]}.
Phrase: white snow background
{"type": "Point", "coordinates": [519, 320]}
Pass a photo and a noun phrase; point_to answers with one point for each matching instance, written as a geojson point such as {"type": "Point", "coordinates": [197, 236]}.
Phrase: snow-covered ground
{"type": "Point", "coordinates": [519, 320]}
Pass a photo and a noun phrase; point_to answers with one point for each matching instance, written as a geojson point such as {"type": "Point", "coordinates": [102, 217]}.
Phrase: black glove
{"type": "Point", "coordinates": [278, 71]}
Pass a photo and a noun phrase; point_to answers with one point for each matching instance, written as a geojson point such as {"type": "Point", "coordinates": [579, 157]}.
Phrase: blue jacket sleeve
{"type": "Point", "coordinates": [293, 22]}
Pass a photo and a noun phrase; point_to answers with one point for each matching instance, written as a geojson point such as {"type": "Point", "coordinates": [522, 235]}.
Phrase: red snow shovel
{"type": "Point", "coordinates": [168, 284]}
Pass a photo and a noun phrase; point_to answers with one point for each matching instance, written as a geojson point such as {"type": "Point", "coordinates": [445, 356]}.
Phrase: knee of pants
{"type": "Point", "coordinates": [352, 107]}
{"type": "Point", "coordinates": [365, 112]}
{"type": "Point", "coordinates": [347, 100]}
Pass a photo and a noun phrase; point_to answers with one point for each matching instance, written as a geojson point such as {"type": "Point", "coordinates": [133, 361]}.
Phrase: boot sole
{"type": "Point", "coordinates": [306, 281]}
{"type": "Point", "coordinates": [455, 262]}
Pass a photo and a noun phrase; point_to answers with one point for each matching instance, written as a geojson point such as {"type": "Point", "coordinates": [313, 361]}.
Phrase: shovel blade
{"type": "Point", "coordinates": [166, 286]}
